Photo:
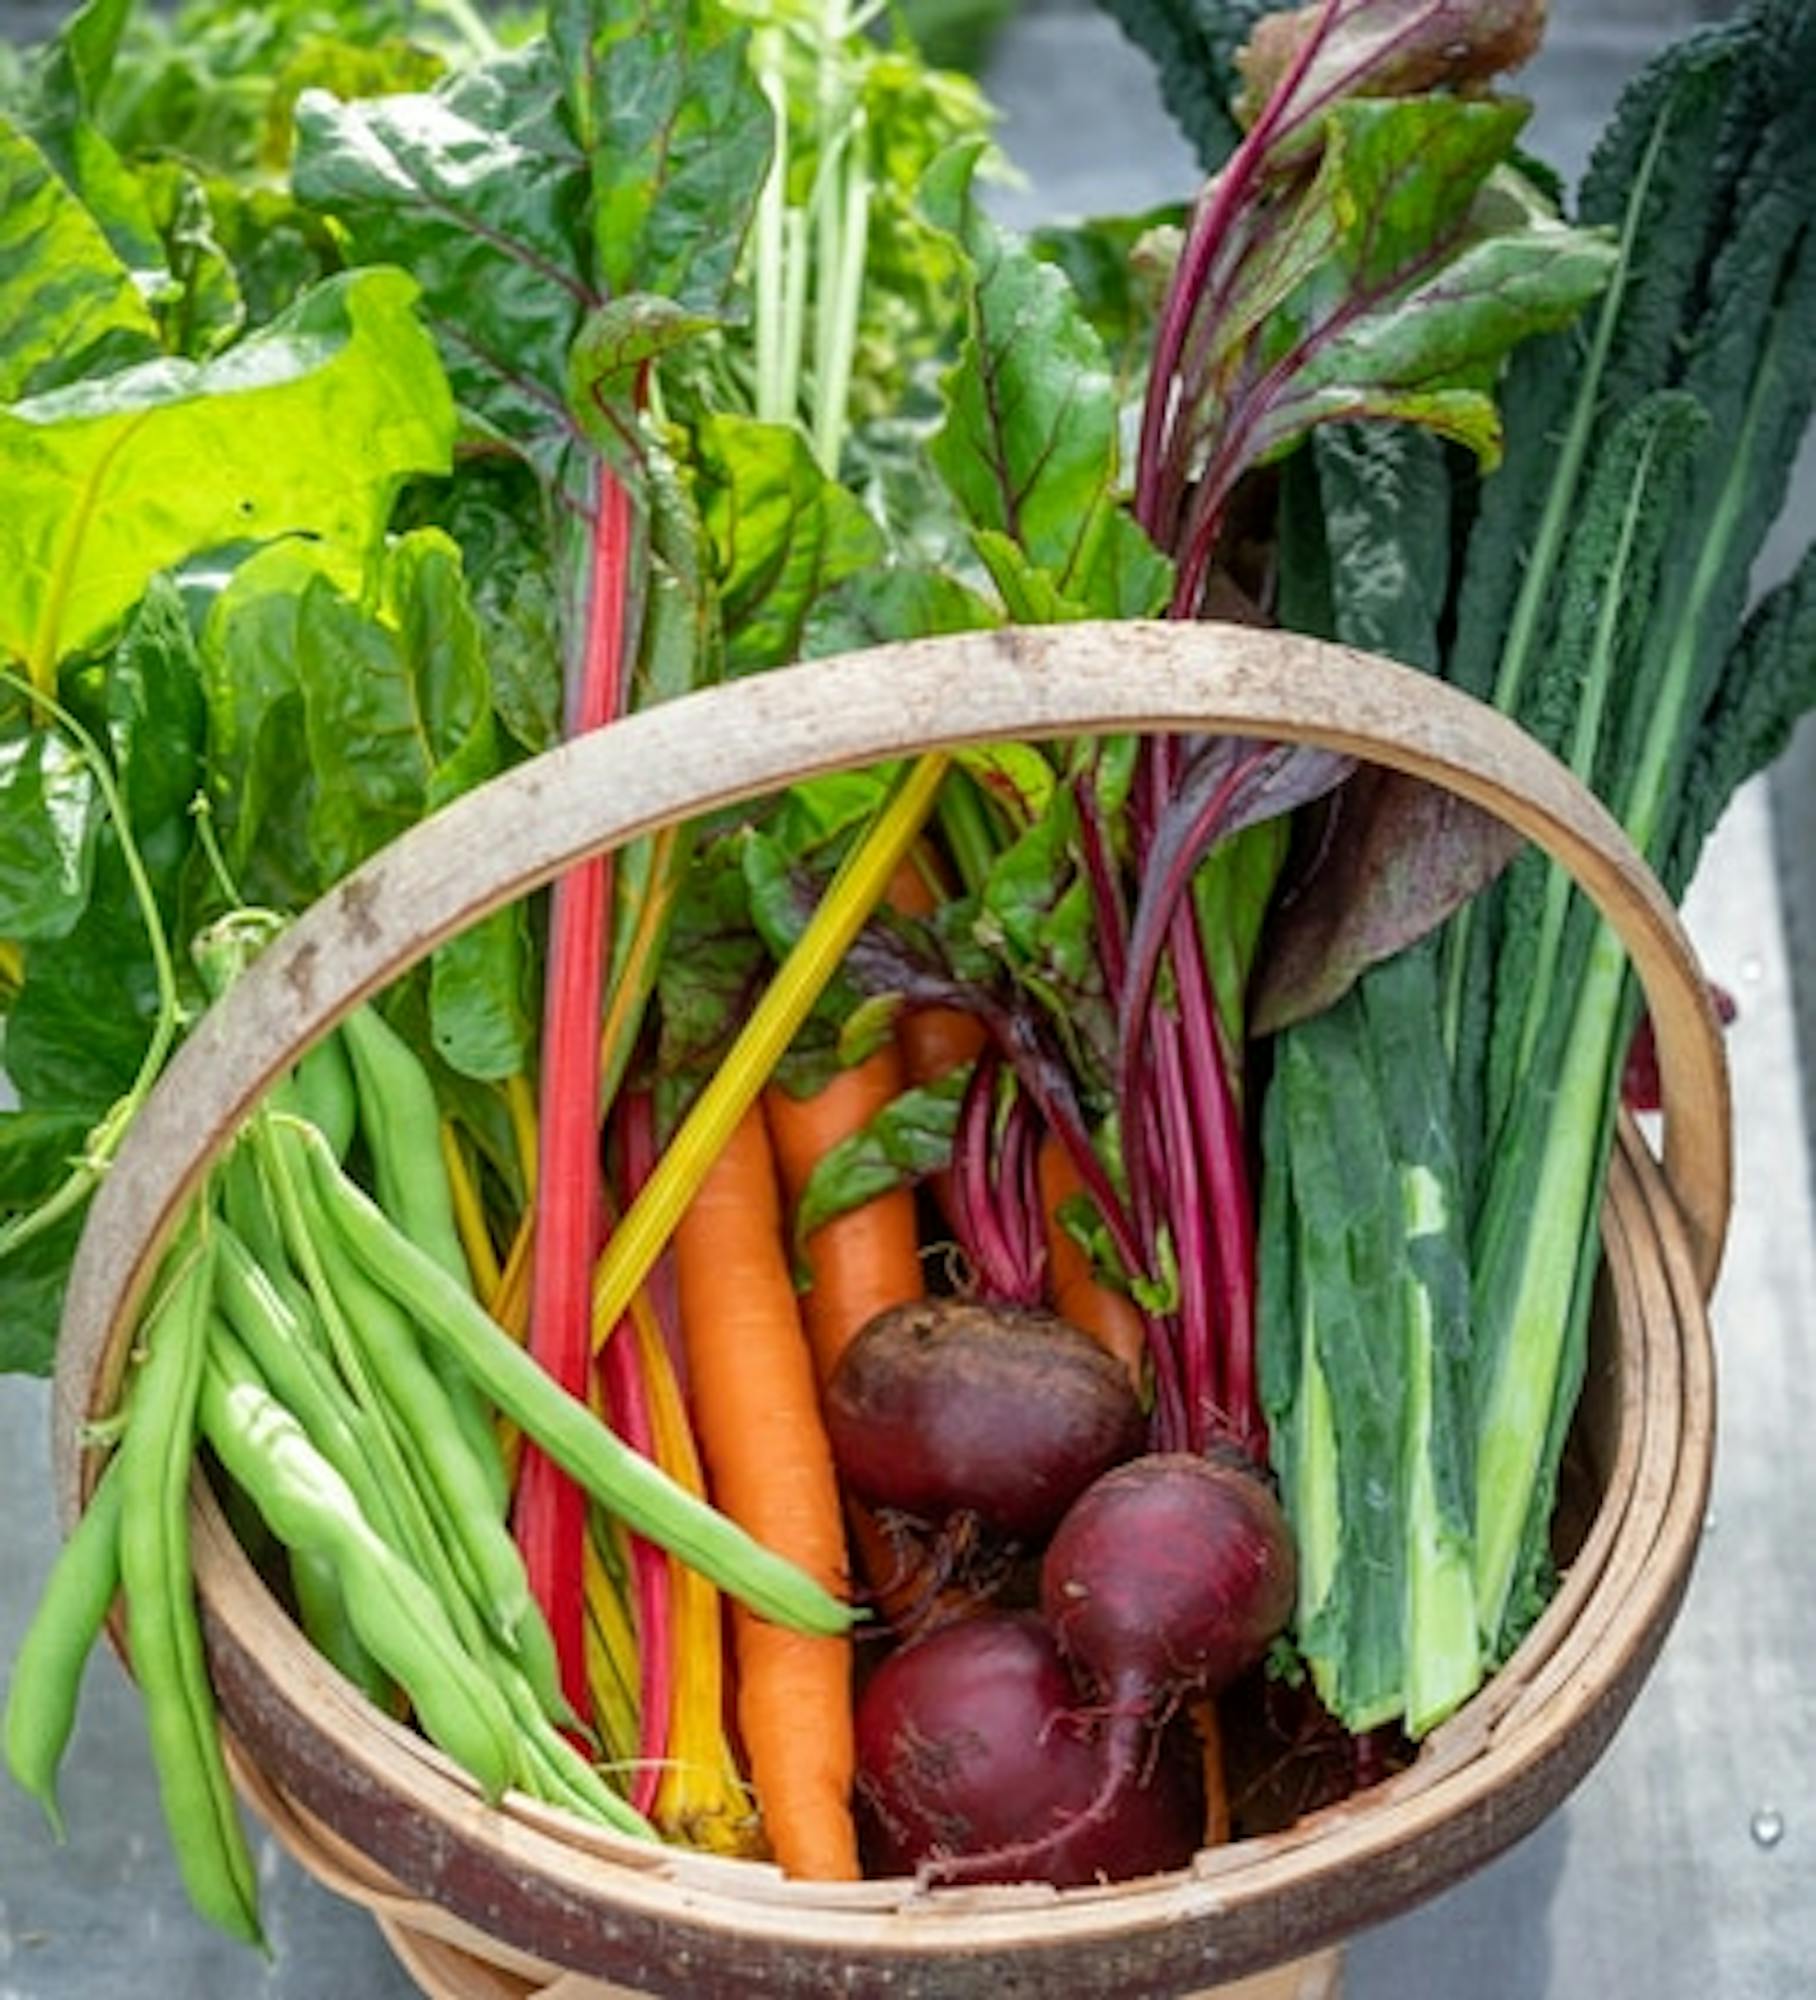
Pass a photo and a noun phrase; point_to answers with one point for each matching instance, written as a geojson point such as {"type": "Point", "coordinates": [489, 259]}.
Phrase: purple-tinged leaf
{"type": "Point", "coordinates": [1229, 783]}
{"type": "Point", "coordinates": [1402, 856]}
{"type": "Point", "coordinates": [1381, 48]}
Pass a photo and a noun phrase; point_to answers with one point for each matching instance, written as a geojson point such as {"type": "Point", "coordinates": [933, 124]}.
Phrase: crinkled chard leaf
{"type": "Point", "coordinates": [478, 190]}
{"type": "Point", "coordinates": [663, 105]}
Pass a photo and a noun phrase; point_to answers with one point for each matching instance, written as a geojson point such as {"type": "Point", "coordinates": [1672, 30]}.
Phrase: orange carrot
{"type": "Point", "coordinates": [1109, 1318]}
{"type": "Point", "coordinates": [869, 1257]}
{"type": "Point", "coordinates": [757, 1418]}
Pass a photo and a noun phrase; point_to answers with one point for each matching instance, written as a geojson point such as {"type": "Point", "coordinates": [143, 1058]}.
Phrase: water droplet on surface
{"type": "Point", "coordinates": [1710, 1522]}
{"type": "Point", "coordinates": [1752, 970]}
{"type": "Point", "coordinates": [1767, 1828]}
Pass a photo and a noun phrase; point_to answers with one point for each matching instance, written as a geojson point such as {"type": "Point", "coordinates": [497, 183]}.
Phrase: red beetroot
{"type": "Point", "coordinates": [970, 1744]}
{"type": "Point", "coordinates": [1172, 1574]}
{"type": "Point", "coordinates": [1168, 1577]}
{"type": "Point", "coordinates": [944, 1407]}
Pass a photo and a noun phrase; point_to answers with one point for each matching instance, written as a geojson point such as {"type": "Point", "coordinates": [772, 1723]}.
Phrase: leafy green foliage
{"type": "Point", "coordinates": [782, 535]}
{"type": "Point", "coordinates": [70, 305]}
{"type": "Point", "coordinates": [662, 103]}
{"type": "Point", "coordinates": [1766, 684]}
{"type": "Point", "coordinates": [112, 480]}
{"type": "Point", "coordinates": [1365, 1352]}
{"type": "Point", "coordinates": [476, 190]}
{"type": "Point", "coordinates": [1029, 441]}
{"type": "Point", "coordinates": [910, 1138]}
{"type": "Point", "coordinates": [47, 805]}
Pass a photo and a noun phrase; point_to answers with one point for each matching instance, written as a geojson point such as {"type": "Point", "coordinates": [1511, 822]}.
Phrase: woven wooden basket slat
{"type": "Point", "coordinates": [504, 1904]}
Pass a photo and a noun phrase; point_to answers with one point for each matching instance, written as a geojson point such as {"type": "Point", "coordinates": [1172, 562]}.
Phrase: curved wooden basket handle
{"type": "Point", "coordinates": [754, 736]}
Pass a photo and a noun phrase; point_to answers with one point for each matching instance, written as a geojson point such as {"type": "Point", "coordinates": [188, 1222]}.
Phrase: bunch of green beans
{"type": "Point", "coordinates": [330, 1350]}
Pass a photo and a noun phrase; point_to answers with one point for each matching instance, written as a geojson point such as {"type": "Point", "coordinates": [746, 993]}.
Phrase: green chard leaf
{"type": "Point", "coordinates": [68, 306]}
{"type": "Point", "coordinates": [1029, 443]}
{"type": "Point", "coordinates": [898, 601]}
{"type": "Point", "coordinates": [205, 309]}
{"type": "Point", "coordinates": [495, 509]}
{"type": "Point", "coordinates": [782, 535]}
{"type": "Point", "coordinates": [477, 190]}
{"type": "Point", "coordinates": [398, 717]}
{"type": "Point", "coordinates": [307, 428]}
{"type": "Point", "coordinates": [663, 104]}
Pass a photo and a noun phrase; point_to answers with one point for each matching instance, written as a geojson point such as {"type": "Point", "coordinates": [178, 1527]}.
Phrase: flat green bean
{"type": "Point", "coordinates": [325, 1093]}
{"type": "Point", "coordinates": [399, 1619]}
{"type": "Point", "coordinates": [47, 1671]}
{"type": "Point", "coordinates": [402, 1125]}
{"type": "Point", "coordinates": [321, 1610]}
{"type": "Point", "coordinates": [622, 1480]}
{"type": "Point", "coordinates": [418, 1403]}
{"type": "Point", "coordinates": [156, 1455]}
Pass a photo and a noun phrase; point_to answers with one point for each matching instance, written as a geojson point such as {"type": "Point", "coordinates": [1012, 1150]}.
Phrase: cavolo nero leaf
{"type": "Point", "coordinates": [1767, 682]}
{"type": "Point", "coordinates": [307, 428]}
{"type": "Point", "coordinates": [1193, 44]}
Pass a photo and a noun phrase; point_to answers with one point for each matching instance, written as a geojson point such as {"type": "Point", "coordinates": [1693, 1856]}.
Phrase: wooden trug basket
{"type": "Point", "coordinates": [522, 1900]}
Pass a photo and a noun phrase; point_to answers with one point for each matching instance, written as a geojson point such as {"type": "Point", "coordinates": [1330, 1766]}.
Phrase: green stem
{"type": "Point", "coordinates": [1525, 1339]}
{"type": "Point", "coordinates": [770, 277]}
{"type": "Point", "coordinates": [104, 1140]}
{"type": "Point", "coordinates": [845, 281]}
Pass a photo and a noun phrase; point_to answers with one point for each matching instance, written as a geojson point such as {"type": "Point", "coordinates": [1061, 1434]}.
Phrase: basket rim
{"type": "Point", "coordinates": [1486, 1778]}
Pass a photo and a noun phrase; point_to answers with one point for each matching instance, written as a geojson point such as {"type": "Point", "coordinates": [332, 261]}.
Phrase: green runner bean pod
{"type": "Point", "coordinates": [402, 1125]}
{"type": "Point", "coordinates": [398, 1618]}
{"type": "Point", "coordinates": [419, 1404]}
{"type": "Point", "coordinates": [156, 1455]}
{"type": "Point", "coordinates": [619, 1478]}
{"type": "Point", "coordinates": [47, 1672]}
